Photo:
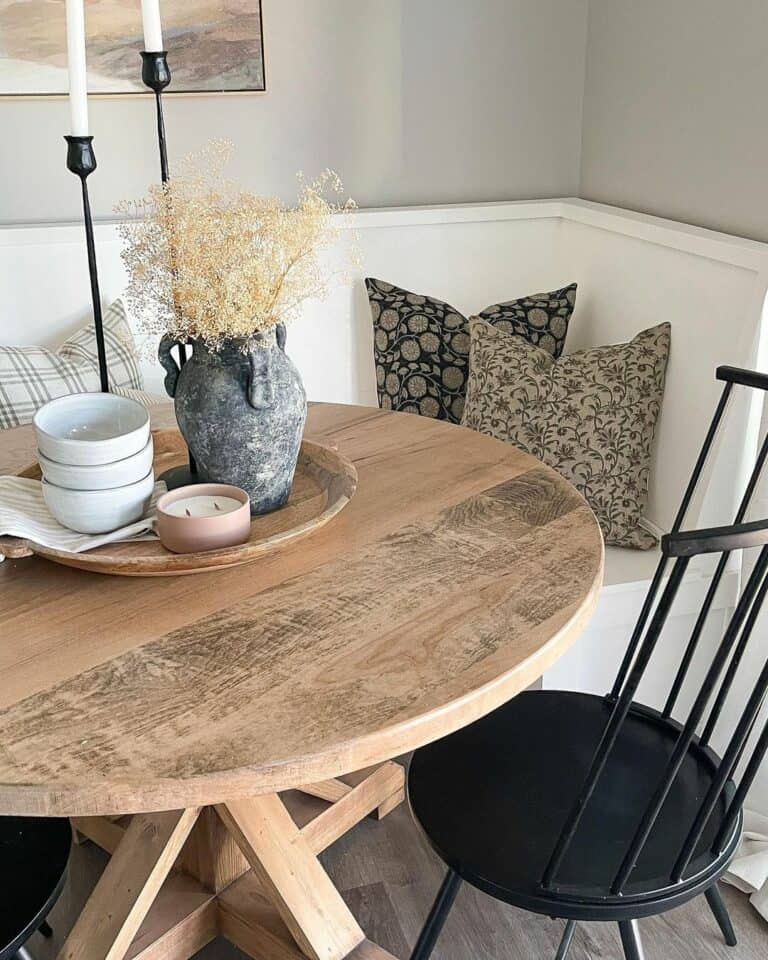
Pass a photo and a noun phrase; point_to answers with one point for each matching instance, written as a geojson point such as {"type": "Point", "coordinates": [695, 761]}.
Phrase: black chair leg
{"type": "Point", "coordinates": [437, 916]}
{"type": "Point", "coordinates": [565, 943]}
{"type": "Point", "coordinates": [45, 929]}
{"type": "Point", "coordinates": [630, 940]}
{"type": "Point", "coordinates": [720, 913]}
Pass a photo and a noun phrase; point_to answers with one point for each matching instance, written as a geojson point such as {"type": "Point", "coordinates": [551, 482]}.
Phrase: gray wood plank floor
{"type": "Point", "coordinates": [388, 876]}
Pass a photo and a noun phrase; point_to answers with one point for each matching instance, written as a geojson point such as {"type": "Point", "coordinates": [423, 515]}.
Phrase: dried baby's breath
{"type": "Point", "coordinates": [208, 260]}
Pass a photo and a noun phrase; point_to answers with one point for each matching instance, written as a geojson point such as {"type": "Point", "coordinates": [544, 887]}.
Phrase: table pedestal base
{"type": "Point", "coordinates": [245, 870]}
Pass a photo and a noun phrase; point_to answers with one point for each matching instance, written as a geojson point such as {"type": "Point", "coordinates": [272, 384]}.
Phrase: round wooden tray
{"type": "Point", "coordinates": [323, 485]}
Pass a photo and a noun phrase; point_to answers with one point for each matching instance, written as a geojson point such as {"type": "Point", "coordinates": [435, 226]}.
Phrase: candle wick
{"type": "Point", "coordinates": [216, 506]}
{"type": "Point", "coordinates": [186, 510]}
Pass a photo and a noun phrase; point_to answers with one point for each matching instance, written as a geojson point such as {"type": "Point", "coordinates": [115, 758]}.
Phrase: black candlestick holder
{"type": "Point", "coordinates": [81, 161]}
{"type": "Point", "coordinates": [156, 74]}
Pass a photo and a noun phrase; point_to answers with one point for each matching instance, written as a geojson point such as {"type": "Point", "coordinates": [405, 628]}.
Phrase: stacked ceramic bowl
{"type": "Point", "coordinates": [95, 453]}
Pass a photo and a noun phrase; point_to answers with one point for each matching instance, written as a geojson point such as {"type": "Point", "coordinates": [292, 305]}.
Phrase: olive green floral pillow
{"type": "Point", "coordinates": [591, 415]}
{"type": "Point", "coordinates": [421, 345]}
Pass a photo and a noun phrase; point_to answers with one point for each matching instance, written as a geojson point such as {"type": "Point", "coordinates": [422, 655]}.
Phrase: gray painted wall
{"type": "Point", "coordinates": [675, 119]}
{"type": "Point", "coordinates": [411, 101]}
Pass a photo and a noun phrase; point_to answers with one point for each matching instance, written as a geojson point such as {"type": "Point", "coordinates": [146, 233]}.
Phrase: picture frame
{"type": "Point", "coordinates": [215, 47]}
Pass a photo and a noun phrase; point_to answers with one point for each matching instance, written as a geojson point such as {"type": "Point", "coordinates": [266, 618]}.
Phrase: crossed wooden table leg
{"type": "Point", "coordinates": [244, 870]}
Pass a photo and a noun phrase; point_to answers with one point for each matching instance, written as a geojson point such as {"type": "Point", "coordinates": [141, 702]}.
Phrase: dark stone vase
{"type": "Point", "coordinates": [241, 410]}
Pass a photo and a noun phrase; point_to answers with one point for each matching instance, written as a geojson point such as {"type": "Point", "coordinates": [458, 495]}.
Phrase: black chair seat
{"type": "Point", "coordinates": [493, 797]}
{"type": "Point", "coordinates": [33, 860]}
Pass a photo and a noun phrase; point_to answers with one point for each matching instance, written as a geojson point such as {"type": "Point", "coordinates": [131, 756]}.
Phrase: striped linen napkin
{"type": "Point", "coordinates": [23, 513]}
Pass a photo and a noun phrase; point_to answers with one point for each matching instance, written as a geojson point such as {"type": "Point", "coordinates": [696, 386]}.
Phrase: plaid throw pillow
{"type": "Point", "coordinates": [31, 376]}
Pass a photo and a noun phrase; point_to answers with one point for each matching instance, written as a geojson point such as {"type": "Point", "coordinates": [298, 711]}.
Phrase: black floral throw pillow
{"type": "Point", "coordinates": [421, 345]}
{"type": "Point", "coordinates": [591, 416]}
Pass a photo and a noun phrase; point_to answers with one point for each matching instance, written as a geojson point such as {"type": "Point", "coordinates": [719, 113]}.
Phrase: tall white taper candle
{"type": "Point", "coordinates": [153, 31]}
{"type": "Point", "coordinates": [78, 89]}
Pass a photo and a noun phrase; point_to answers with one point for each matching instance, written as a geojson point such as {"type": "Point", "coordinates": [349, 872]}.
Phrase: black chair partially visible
{"type": "Point", "coordinates": [600, 808]}
{"type": "Point", "coordinates": [34, 853]}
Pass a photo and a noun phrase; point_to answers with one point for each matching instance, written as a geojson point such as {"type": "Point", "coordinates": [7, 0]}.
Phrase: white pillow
{"type": "Point", "coordinates": [31, 376]}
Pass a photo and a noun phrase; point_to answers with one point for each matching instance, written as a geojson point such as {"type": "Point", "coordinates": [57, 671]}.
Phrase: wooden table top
{"type": "Point", "coordinates": [459, 572]}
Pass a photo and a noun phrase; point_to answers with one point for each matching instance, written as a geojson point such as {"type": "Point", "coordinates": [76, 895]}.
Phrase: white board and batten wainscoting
{"type": "Point", "coordinates": [633, 271]}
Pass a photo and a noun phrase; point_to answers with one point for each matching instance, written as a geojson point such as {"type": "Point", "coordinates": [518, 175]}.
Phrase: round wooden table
{"type": "Point", "coordinates": [460, 571]}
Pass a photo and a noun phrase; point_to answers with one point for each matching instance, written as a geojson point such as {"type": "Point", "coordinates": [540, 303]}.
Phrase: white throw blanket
{"type": "Point", "coordinates": [23, 513]}
{"type": "Point", "coordinates": [749, 870]}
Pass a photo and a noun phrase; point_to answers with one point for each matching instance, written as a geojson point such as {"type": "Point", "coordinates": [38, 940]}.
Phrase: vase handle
{"type": "Point", "coordinates": [166, 358]}
{"type": "Point", "coordinates": [260, 391]}
{"type": "Point", "coordinates": [281, 335]}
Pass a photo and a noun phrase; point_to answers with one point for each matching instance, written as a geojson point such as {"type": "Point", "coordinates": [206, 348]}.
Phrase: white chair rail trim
{"type": "Point", "coordinates": [727, 248]}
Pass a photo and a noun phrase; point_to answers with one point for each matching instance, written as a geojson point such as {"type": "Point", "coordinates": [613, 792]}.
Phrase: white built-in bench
{"type": "Point", "coordinates": [633, 271]}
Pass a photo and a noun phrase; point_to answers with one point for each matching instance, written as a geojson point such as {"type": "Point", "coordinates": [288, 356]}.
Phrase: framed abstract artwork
{"type": "Point", "coordinates": [214, 46]}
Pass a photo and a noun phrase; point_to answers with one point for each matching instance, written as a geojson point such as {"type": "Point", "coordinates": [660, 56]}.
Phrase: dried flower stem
{"type": "Point", "coordinates": [209, 261]}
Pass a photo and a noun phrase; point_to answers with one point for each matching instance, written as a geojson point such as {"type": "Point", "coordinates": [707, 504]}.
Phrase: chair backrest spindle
{"type": "Point", "coordinates": [725, 770]}
{"type": "Point", "coordinates": [714, 585]}
{"type": "Point", "coordinates": [680, 547]}
{"type": "Point", "coordinates": [737, 802]}
{"type": "Point", "coordinates": [618, 715]}
{"type": "Point", "coordinates": [733, 666]}
{"type": "Point", "coordinates": [677, 523]}
{"type": "Point", "coordinates": [740, 614]}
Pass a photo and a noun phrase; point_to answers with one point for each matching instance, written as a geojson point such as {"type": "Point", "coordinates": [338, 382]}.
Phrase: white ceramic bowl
{"type": "Point", "coordinates": [88, 428]}
{"type": "Point", "coordinates": [98, 476]}
{"type": "Point", "coordinates": [99, 511]}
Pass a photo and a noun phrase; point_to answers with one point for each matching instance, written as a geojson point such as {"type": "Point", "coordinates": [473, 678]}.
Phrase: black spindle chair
{"type": "Point", "coordinates": [33, 861]}
{"type": "Point", "coordinates": [583, 807]}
